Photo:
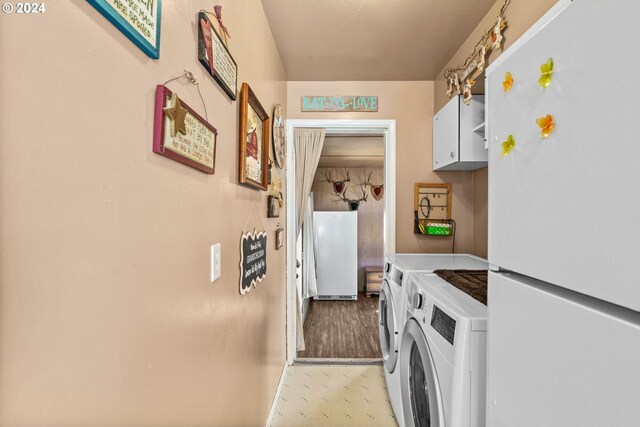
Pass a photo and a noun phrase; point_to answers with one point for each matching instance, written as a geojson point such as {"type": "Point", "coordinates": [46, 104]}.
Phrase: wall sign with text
{"type": "Point", "coordinates": [215, 57]}
{"type": "Point", "coordinates": [181, 134]}
{"type": "Point", "coordinates": [339, 103]}
{"type": "Point", "coordinates": [253, 259]}
{"type": "Point", "coordinates": [139, 20]}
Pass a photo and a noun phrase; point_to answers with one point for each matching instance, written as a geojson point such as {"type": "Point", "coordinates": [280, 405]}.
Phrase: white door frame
{"type": "Point", "coordinates": [386, 128]}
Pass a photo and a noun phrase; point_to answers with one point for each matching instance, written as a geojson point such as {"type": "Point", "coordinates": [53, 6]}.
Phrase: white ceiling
{"type": "Point", "coordinates": [352, 151]}
{"type": "Point", "coordinates": [335, 40]}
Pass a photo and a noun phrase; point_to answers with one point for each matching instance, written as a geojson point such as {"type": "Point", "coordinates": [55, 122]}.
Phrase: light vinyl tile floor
{"type": "Point", "coordinates": [333, 396]}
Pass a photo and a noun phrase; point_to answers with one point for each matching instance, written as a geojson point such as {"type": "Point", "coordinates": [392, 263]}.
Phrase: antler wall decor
{"type": "Point", "coordinates": [354, 204]}
{"type": "Point", "coordinates": [338, 186]}
{"type": "Point", "coordinates": [377, 191]}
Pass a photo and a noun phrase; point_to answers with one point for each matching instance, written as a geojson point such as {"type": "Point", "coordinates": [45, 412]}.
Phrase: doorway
{"type": "Point", "coordinates": [384, 131]}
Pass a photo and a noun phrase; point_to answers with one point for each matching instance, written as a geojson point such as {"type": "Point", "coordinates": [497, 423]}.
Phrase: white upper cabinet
{"type": "Point", "coordinates": [458, 136]}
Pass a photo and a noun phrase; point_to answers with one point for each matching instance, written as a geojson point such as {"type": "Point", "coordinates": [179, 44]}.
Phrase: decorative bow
{"type": "Point", "coordinates": [218, 11]}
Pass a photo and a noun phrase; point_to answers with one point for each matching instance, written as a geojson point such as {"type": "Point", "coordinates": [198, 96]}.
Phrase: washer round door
{"type": "Point", "coordinates": [422, 402]}
{"type": "Point", "coordinates": [387, 327]}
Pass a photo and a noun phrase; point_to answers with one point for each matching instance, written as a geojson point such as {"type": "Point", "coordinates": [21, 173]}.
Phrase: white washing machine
{"type": "Point", "coordinates": [443, 356]}
{"type": "Point", "coordinates": [392, 308]}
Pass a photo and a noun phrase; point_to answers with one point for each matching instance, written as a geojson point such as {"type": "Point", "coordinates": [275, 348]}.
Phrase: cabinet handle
{"type": "Point", "coordinates": [452, 154]}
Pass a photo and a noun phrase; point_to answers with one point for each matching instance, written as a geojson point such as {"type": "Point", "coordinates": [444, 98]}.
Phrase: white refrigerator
{"type": "Point", "coordinates": [336, 236]}
{"type": "Point", "coordinates": [564, 222]}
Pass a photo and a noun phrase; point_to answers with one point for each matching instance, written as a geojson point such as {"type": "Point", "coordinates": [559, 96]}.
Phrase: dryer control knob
{"type": "Point", "coordinates": [387, 267]}
{"type": "Point", "coordinates": [418, 300]}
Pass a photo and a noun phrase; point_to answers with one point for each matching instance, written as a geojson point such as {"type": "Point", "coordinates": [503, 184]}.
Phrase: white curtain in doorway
{"type": "Point", "coordinates": [309, 267]}
{"type": "Point", "coordinates": [307, 145]}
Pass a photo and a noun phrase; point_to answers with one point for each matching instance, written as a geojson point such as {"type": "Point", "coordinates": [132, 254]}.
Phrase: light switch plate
{"type": "Point", "coordinates": [216, 267]}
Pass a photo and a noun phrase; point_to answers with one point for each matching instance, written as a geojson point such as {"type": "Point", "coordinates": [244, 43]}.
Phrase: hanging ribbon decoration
{"type": "Point", "coordinates": [218, 12]}
{"type": "Point", "coordinates": [475, 62]}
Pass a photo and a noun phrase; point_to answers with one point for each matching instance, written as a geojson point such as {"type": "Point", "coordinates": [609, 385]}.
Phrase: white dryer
{"type": "Point", "coordinates": [392, 308]}
{"type": "Point", "coordinates": [443, 356]}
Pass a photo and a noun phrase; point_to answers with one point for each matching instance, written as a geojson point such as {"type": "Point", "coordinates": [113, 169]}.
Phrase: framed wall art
{"type": "Point", "coordinates": [181, 134]}
{"type": "Point", "coordinates": [254, 140]}
{"type": "Point", "coordinates": [273, 207]}
{"type": "Point", "coordinates": [279, 238]}
{"type": "Point", "coordinates": [279, 145]}
{"type": "Point", "coordinates": [139, 20]}
{"type": "Point", "coordinates": [215, 57]}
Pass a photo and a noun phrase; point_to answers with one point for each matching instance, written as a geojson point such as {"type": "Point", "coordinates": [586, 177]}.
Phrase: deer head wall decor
{"type": "Point", "coordinates": [377, 191]}
{"type": "Point", "coordinates": [354, 204]}
{"type": "Point", "coordinates": [338, 186]}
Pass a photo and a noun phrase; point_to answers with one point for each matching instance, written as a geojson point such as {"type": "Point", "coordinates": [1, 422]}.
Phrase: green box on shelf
{"type": "Point", "coordinates": [435, 229]}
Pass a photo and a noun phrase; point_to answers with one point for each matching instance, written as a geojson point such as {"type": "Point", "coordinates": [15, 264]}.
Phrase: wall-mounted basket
{"type": "Point", "coordinates": [434, 227]}
{"type": "Point", "coordinates": [432, 211]}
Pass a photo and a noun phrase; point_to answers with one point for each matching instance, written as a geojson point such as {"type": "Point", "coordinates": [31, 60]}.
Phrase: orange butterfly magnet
{"type": "Point", "coordinates": [546, 125]}
{"type": "Point", "coordinates": [507, 82]}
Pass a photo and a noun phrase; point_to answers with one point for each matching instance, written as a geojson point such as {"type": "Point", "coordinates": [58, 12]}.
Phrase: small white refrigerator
{"type": "Point", "coordinates": [336, 236]}
{"type": "Point", "coordinates": [564, 294]}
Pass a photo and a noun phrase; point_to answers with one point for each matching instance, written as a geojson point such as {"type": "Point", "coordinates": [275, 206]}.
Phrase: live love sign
{"type": "Point", "coordinates": [339, 103]}
{"type": "Point", "coordinates": [253, 260]}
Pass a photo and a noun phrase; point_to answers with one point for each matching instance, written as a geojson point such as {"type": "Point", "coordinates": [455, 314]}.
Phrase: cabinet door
{"type": "Point", "coordinates": [446, 134]}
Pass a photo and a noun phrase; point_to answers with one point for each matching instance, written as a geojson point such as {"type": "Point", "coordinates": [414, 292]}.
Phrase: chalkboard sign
{"type": "Point", "coordinates": [253, 260]}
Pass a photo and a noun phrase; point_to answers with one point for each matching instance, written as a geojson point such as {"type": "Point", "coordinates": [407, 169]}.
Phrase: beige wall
{"type": "Point", "coordinates": [520, 15]}
{"type": "Point", "coordinates": [370, 212]}
{"type": "Point", "coordinates": [107, 316]}
{"type": "Point", "coordinates": [411, 105]}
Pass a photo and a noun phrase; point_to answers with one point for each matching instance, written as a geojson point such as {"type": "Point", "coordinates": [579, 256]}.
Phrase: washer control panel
{"type": "Point", "coordinates": [444, 324]}
{"type": "Point", "coordinates": [418, 301]}
{"type": "Point", "coordinates": [396, 276]}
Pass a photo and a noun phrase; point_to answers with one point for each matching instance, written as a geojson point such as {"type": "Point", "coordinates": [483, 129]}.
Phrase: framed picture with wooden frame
{"type": "Point", "coordinates": [273, 207]}
{"type": "Point", "coordinates": [254, 140]}
{"type": "Point", "coordinates": [279, 238]}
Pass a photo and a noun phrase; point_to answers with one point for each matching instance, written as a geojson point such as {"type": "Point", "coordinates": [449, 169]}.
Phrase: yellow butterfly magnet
{"type": "Point", "coordinates": [508, 81]}
{"type": "Point", "coordinates": [546, 125]}
{"type": "Point", "coordinates": [508, 145]}
{"type": "Point", "coordinates": [546, 71]}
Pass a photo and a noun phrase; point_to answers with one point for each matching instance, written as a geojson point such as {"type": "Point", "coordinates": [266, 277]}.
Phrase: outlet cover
{"type": "Point", "coordinates": [216, 265]}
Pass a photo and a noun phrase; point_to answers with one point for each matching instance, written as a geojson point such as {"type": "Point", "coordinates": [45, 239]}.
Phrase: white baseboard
{"type": "Point", "coordinates": [274, 403]}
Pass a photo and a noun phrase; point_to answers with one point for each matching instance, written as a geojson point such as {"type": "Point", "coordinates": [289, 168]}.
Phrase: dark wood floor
{"type": "Point", "coordinates": [342, 329]}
